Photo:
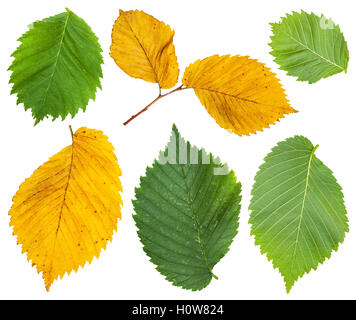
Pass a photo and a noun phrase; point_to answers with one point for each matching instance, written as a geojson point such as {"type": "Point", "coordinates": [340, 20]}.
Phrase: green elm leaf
{"type": "Point", "coordinates": [187, 210]}
{"type": "Point", "coordinates": [57, 67]}
{"type": "Point", "coordinates": [309, 47]}
{"type": "Point", "coordinates": [298, 215]}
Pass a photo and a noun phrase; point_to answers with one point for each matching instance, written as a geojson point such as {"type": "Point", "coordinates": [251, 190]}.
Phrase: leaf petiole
{"type": "Point", "coordinates": [71, 131]}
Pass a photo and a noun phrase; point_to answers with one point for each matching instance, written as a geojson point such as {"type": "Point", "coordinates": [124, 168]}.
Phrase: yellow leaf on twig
{"type": "Point", "coordinates": [241, 94]}
{"type": "Point", "coordinates": [67, 211]}
{"type": "Point", "coordinates": [143, 47]}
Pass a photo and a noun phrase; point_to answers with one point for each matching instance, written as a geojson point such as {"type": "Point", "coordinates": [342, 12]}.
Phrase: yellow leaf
{"type": "Point", "coordinates": [241, 94]}
{"type": "Point", "coordinates": [142, 46]}
{"type": "Point", "coordinates": [67, 211]}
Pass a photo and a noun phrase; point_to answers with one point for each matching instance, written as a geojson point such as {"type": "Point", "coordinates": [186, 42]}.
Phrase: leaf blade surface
{"type": "Point", "coordinates": [57, 67]}
{"type": "Point", "coordinates": [309, 47]}
{"type": "Point", "coordinates": [241, 94]}
{"type": "Point", "coordinates": [142, 46]}
{"type": "Point", "coordinates": [298, 216]}
{"type": "Point", "coordinates": [186, 216]}
{"type": "Point", "coordinates": [67, 211]}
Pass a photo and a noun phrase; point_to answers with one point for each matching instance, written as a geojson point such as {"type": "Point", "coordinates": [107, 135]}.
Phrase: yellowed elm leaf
{"type": "Point", "coordinates": [142, 46]}
{"type": "Point", "coordinates": [240, 93]}
{"type": "Point", "coordinates": [67, 211]}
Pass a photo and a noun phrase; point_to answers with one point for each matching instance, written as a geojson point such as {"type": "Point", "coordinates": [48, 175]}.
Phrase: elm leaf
{"type": "Point", "coordinates": [309, 47]}
{"type": "Point", "coordinates": [57, 67]}
{"type": "Point", "coordinates": [187, 209]}
{"type": "Point", "coordinates": [298, 215]}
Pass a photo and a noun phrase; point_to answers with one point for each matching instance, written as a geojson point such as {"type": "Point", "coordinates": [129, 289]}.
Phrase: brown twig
{"type": "Point", "coordinates": [160, 96]}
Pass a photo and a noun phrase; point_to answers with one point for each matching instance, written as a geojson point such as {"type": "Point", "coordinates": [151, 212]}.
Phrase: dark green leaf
{"type": "Point", "coordinates": [187, 209]}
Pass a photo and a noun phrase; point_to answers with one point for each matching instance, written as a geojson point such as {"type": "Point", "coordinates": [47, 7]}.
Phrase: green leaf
{"type": "Point", "coordinates": [298, 215]}
{"type": "Point", "coordinates": [57, 67]}
{"type": "Point", "coordinates": [309, 47]}
{"type": "Point", "coordinates": [187, 209]}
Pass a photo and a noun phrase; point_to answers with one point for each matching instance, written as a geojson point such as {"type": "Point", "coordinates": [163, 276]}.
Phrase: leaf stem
{"type": "Point", "coordinates": [314, 149]}
{"type": "Point", "coordinates": [71, 131]}
{"type": "Point", "coordinates": [160, 96]}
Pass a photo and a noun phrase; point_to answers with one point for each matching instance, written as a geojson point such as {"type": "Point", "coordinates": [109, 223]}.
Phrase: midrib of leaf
{"type": "Point", "coordinates": [231, 95]}
{"type": "Point", "coordinates": [303, 205]}
{"type": "Point", "coordinates": [196, 224]}
{"type": "Point", "coordinates": [63, 202]}
{"type": "Point", "coordinates": [312, 51]}
{"type": "Point", "coordinates": [57, 57]}
{"type": "Point", "coordinates": [144, 51]}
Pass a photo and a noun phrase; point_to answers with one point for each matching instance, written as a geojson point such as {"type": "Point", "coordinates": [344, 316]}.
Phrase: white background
{"type": "Point", "coordinates": [326, 116]}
